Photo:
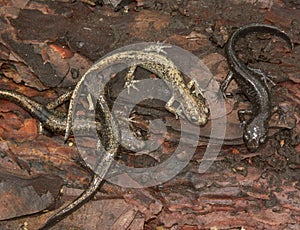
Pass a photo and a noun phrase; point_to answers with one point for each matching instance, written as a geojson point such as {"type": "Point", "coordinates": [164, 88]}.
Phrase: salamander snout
{"type": "Point", "coordinates": [254, 137]}
{"type": "Point", "coordinates": [198, 116]}
{"type": "Point", "coordinates": [252, 145]}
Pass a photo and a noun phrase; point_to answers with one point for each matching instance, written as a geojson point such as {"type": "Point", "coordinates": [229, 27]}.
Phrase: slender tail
{"type": "Point", "coordinates": [76, 204]}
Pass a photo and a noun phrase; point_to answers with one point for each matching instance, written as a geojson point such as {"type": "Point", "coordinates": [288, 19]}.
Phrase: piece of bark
{"type": "Point", "coordinates": [25, 196]}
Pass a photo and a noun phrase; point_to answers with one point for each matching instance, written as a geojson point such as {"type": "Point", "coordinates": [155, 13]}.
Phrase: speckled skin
{"type": "Point", "coordinates": [56, 121]}
{"type": "Point", "coordinates": [111, 143]}
{"type": "Point", "coordinates": [193, 108]}
{"type": "Point", "coordinates": [254, 88]}
{"type": "Point", "coordinates": [50, 119]}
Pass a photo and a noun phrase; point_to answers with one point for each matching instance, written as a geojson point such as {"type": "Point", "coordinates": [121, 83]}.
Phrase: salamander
{"type": "Point", "coordinates": [192, 104]}
{"type": "Point", "coordinates": [48, 117]}
{"type": "Point", "coordinates": [192, 107]}
{"type": "Point", "coordinates": [252, 86]}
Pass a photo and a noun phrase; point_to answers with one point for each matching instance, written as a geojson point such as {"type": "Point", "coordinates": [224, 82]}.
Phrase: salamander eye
{"type": "Point", "coordinates": [262, 140]}
{"type": "Point", "coordinates": [193, 119]}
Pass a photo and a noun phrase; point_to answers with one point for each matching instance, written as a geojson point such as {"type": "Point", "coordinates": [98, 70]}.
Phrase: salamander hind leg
{"type": "Point", "coordinates": [157, 48]}
{"type": "Point", "coordinates": [264, 77]}
{"type": "Point", "coordinates": [242, 113]}
{"type": "Point", "coordinates": [60, 100]}
{"type": "Point", "coordinates": [170, 107]}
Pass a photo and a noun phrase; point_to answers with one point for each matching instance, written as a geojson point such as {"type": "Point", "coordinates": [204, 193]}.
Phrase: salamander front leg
{"type": "Point", "coordinates": [242, 113]}
{"type": "Point", "coordinates": [282, 114]}
{"type": "Point", "coordinates": [169, 106]}
{"type": "Point", "coordinates": [130, 79]}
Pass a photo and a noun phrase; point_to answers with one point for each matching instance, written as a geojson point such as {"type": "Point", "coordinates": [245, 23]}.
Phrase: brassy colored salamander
{"type": "Point", "coordinates": [253, 87]}
{"type": "Point", "coordinates": [192, 104]}
{"type": "Point", "coordinates": [191, 107]}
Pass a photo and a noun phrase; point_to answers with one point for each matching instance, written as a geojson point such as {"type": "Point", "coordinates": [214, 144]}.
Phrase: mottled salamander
{"type": "Point", "coordinates": [253, 87]}
{"type": "Point", "coordinates": [192, 108]}
{"type": "Point", "coordinates": [192, 105]}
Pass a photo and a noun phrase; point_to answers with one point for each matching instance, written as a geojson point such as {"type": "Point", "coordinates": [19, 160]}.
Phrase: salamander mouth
{"type": "Point", "coordinates": [198, 120]}
{"type": "Point", "coordinates": [252, 145]}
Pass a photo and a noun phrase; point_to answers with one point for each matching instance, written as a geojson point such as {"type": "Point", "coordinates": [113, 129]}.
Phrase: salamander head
{"type": "Point", "coordinates": [254, 136]}
{"type": "Point", "coordinates": [188, 106]}
{"type": "Point", "coordinates": [196, 111]}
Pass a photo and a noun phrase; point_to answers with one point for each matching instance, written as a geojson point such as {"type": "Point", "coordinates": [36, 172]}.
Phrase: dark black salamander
{"type": "Point", "coordinates": [254, 88]}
